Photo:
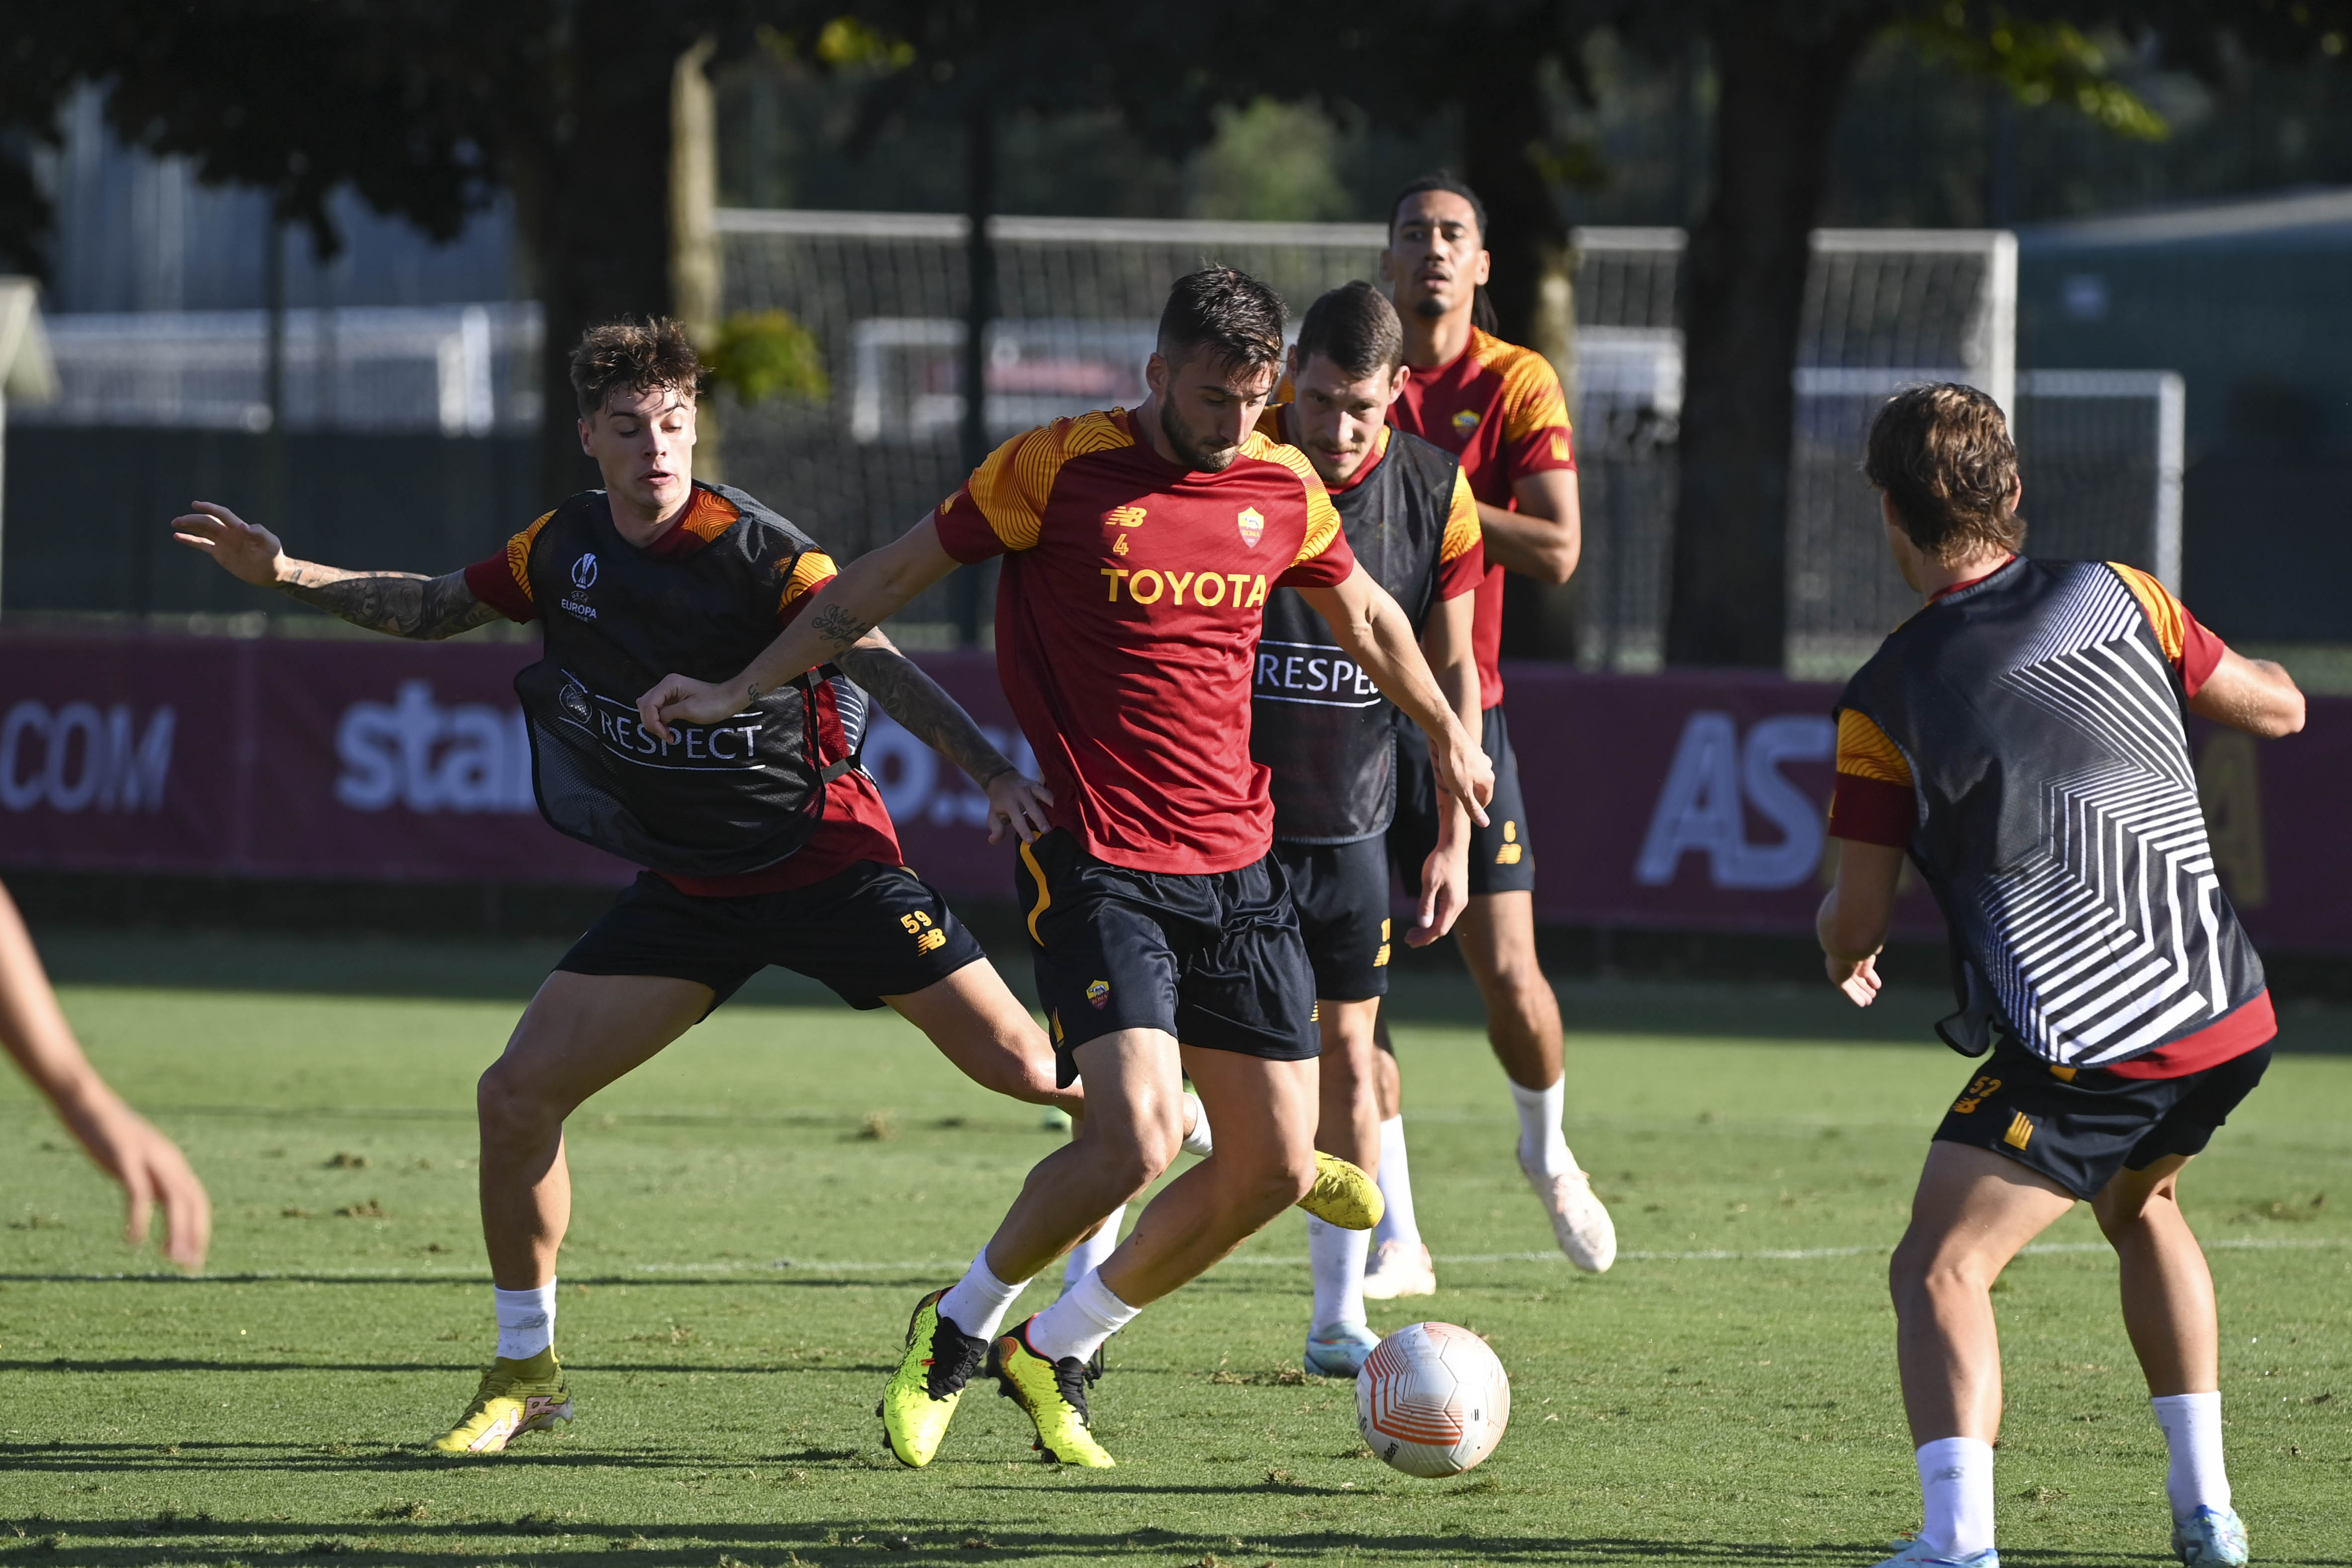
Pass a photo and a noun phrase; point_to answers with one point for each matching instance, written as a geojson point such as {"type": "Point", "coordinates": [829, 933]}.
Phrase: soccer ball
{"type": "Point", "coordinates": [1432, 1400]}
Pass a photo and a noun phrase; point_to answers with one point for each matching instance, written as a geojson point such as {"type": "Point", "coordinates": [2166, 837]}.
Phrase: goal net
{"type": "Point", "coordinates": [1078, 302]}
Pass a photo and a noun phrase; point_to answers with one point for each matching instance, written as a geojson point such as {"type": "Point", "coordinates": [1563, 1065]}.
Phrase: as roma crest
{"type": "Point", "coordinates": [1251, 523]}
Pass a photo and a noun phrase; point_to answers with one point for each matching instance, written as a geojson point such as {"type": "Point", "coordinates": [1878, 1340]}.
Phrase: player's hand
{"type": "Point", "coordinates": [689, 701]}
{"type": "Point", "coordinates": [1444, 890]}
{"type": "Point", "coordinates": [153, 1171]}
{"type": "Point", "coordinates": [1858, 978]}
{"type": "Point", "coordinates": [246, 551]}
{"type": "Point", "coordinates": [1462, 771]}
{"type": "Point", "coordinates": [1019, 803]}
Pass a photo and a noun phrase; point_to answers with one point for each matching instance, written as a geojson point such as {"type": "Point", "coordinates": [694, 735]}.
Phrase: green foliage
{"type": "Point", "coordinates": [1709, 1402]}
{"type": "Point", "coordinates": [2041, 62]}
{"type": "Point", "coordinates": [1270, 161]}
{"type": "Point", "coordinates": [759, 355]}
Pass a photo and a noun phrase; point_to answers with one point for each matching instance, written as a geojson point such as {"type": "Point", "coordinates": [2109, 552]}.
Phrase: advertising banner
{"type": "Point", "coordinates": [1687, 801]}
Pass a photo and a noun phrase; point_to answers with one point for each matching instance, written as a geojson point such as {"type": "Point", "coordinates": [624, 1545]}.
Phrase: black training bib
{"type": "Point", "coordinates": [1316, 718]}
{"type": "Point", "coordinates": [2059, 825]}
{"type": "Point", "coordinates": [717, 800]}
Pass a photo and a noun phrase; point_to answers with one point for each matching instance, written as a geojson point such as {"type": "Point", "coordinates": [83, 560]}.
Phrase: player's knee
{"type": "Point", "coordinates": [1131, 1157]}
{"type": "Point", "coordinates": [510, 1104]}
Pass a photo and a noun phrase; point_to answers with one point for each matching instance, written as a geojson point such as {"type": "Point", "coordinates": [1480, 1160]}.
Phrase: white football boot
{"type": "Point", "coordinates": [1580, 1222]}
{"type": "Point", "coordinates": [1399, 1269]}
{"type": "Point", "coordinates": [2211, 1538]}
{"type": "Point", "coordinates": [1337, 1350]}
{"type": "Point", "coordinates": [1914, 1553]}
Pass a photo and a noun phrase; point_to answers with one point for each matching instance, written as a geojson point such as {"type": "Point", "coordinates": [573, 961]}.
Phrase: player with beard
{"type": "Point", "coordinates": [1499, 408]}
{"type": "Point", "coordinates": [1140, 550]}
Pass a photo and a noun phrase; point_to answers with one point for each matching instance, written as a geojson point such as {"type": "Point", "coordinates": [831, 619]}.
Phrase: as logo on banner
{"type": "Point", "coordinates": [1715, 778]}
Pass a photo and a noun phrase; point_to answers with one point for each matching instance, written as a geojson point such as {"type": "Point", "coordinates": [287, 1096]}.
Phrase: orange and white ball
{"type": "Point", "coordinates": [1432, 1400]}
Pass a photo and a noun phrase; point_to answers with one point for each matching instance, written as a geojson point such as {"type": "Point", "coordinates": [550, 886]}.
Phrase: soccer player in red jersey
{"type": "Point", "coordinates": [765, 842]}
{"type": "Point", "coordinates": [1498, 407]}
{"type": "Point", "coordinates": [2022, 741]}
{"type": "Point", "coordinates": [1140, 550]}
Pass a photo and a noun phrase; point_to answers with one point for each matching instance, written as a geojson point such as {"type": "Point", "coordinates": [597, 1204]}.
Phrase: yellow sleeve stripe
{"type": "Point", "coordinates": [1865, 751]}
{"type": "Point", "coordinates": [519, 554]}
{"type": "Point", "coordinates": [1461, 520]}
{"type": "Point", "coordinates": [1012, 486]}
{"type": "Point", "coordinates": [2164, 612]}
{"type": "Point", "coordinates": [1532, 399]}
{"type": "Point", "coordinates": [813, 567]}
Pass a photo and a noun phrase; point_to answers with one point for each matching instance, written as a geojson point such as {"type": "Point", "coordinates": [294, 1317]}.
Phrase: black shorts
{"type": "Point", "coordinates": [1215, 960]}
{"type": "Point", "coordinates": [870, 931]}
{"type": "Point", "coordinates": [1341, 893]}
{"type": "Point", "coordinates": [1502, 859]}
{"type": "Point", "coordinates": [2080, 1133]}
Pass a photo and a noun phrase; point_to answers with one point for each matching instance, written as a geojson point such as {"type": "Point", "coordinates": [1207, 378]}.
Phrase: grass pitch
{"type": "Point", "coordinates": [757, 1209]}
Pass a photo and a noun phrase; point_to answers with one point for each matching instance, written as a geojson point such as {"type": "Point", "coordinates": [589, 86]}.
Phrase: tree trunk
{"type": "Point", "coordinates": [1782, 71]}
{"type": "Point", "coordinates": [1531, 288]}
{"type": "Point", "coordinates": [589, 167]}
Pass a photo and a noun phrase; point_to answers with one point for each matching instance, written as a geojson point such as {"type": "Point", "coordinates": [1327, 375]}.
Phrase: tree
{"type": "Point", "coordinates": [425, 107]}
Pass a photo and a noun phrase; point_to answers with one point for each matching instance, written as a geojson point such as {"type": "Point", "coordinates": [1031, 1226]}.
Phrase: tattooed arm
{"type": "Point", "coordinates": [939, 721]}
{"type": "Point", "coordinates": [870, 591]}
{"type": "Point", "coordinates": [916, 701]}
{"type": "Point", "coordinates": [400, 602]}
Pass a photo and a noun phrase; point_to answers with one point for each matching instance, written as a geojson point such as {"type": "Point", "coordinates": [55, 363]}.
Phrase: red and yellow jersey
{"type": "Point", "coordinates": [1126, 621]}
{"type": "Point", "coordinates": [856, 824]}
{"type": "Point", "coordinates": [1873, 801]}
{"type": "Point", "coordinates": [1499, 408]}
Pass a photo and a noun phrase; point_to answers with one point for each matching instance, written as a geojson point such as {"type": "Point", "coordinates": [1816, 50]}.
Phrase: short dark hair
{"type": "Point", "coordinates": [1943, 455]}
{"type": "Point", "coordinates": [631, 355]}
{"type": "Point", "coordinates": [1356, 328]}
{"type": "Point", "coordinates": [1443, 180]}
{"type": "Point", "coordinates": [1482, 307]}
{"type": "Point", "coordinates": [1226, 311]}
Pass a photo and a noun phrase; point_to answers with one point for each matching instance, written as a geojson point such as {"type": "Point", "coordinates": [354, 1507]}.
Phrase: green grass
{"type": "Point", "coordinates": [1708, 1402]}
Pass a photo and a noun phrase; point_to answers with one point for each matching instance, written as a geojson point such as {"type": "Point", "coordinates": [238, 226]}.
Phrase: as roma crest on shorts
{"type": "Point", "coordinates": [1252, 522]}
{"type": "Point", "coordinates": [1098, 993]}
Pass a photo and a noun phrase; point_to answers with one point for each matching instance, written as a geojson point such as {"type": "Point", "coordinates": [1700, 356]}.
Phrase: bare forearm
{"type": "Point", "coordinates": [1382, 642]}
{"type": "Point", "coordinates": [869, 590]}
{"type": "Point", "coordinates": [1542, 536]}
{"type": "Point", "coordinates": [402, 604]}
{"type": "Point", "coordinates": [32, 1029]}
{"type": "Point", "coordinates": [929, 714]}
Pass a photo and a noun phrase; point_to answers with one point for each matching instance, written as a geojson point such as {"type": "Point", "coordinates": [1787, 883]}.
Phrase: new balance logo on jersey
{"type": "Point", "coordinates": [1124, 517]}
{"type": "Point", "coordinates": [1205, 589]}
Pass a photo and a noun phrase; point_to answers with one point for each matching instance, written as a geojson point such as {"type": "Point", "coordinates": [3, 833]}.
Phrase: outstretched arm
{"type": "Point", "coordinates": [1374, 632]}
{"type": "Point", "coordinates": [147, 1165]}
{"type": "Point", "coordinates": [403, 603]}
{"type": "Point", "coordinates": [2250, 694]}
{"type": "Point", "coordinates": [870, 591]}
{"type": "Point", "coordinates": [899, 686]}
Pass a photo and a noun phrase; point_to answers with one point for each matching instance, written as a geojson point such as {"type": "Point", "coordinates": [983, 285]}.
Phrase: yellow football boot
{"type": "Point", "coordinates": [1343, 1194]}
{"type": "Point", "coordinates": [516, 1397]}
{"type": "Point", "coordinates": [1053, 1393]}
{"type": "Point", "coordinates": [921, 1398]}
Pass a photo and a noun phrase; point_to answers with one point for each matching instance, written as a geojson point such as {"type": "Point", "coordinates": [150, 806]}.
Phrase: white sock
{"type": "Point", "coordinates": [2192, 1431]}
{"type": "Point", "coordinates": [1078, 1323]}
{"type": "Point", "coordinates": [1543, 1148]}
{"type": "Point", "coordinates": [977, 1302]}
{"type": "Point", "coordinates": [1337, 1257]}
{"type": "Point", "coordinates": [1088, 1256]}
{"type": "Point", "coordinates": [1955, 1485]}
{"type": "Point", "coordinates": [525, 1321]}
{"type": "Point", "coordinates": [1198, 1141]}
{"type": "Point", "coordinates": [1395, 1178]}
